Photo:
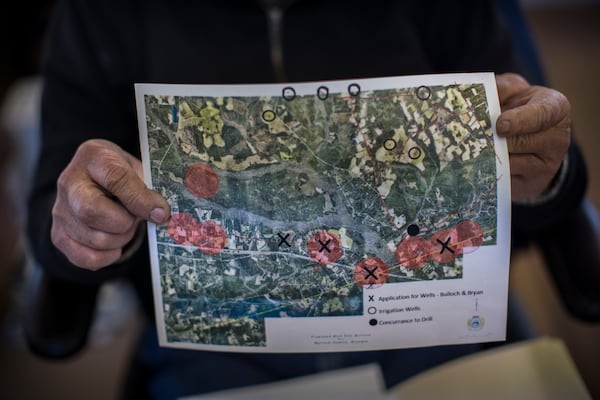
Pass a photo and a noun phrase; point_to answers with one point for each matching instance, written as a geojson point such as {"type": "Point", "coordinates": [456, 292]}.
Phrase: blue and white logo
{"type": "Point", "coordinates": [475, 323]}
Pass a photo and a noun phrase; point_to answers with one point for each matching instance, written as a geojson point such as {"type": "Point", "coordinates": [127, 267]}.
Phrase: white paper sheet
{"type": "Point", "coordinates": [328, 216]}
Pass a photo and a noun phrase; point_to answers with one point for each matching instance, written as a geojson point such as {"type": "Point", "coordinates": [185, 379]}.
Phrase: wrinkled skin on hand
{"type": "Point", "coordinates": [101, 199]}
{"type": "Point", "coordinates": [536, 122]}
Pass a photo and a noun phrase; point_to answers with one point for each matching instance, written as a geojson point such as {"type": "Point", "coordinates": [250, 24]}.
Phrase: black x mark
{"type": "Point", "coordinates": [445, 246]}
{"type": "Point", "coordinates": [324, 246]}
{"type": "Point", "coordinates": [371, 297]}
{"type": "Point", "coordinates": [283, 240]}
{"type": "Point", "coordinates": [370, 272]}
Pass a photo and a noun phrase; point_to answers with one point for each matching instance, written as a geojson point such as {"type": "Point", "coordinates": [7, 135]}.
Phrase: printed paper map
{"type": "Point", "coordinates": [324, 216]}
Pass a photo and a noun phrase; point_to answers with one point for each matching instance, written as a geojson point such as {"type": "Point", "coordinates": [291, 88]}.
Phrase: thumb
{"type": "Point", "coordinates": [117, 172]}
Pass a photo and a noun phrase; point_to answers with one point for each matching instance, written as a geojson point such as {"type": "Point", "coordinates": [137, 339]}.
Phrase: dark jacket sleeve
{"type": "Point", "coordinates": [529, 220]}
{"type": "Point", "coordinates": [85, 96]}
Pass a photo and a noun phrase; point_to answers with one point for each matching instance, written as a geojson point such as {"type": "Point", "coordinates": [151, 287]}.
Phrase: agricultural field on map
{"type": "Point", "coordinates": [292, 206]}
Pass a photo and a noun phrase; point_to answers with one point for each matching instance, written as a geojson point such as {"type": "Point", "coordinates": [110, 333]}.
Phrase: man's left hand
{"type": "Point", "coordinates": [536, 122]}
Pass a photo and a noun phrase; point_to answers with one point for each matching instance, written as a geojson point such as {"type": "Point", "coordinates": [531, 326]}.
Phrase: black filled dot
{"type": "Point", "coordinates": [373, 322]}
{"type": "Point", "coordinates": [413, 230]}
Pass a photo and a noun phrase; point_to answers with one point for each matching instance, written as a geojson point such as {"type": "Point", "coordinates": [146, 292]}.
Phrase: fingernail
{"type": "Point", "coordinates": [158, 215]}
{"type": "Point", "coordinates": [503, 127]}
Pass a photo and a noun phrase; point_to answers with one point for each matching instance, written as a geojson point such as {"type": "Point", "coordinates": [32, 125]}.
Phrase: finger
{"type": "Point", "coordinates": [93, 238]}
{"type": "Point", "coordinates": [510, 85]}
{"type": "Point", "coordinates": [98, 240]}
{"type": "Point", "coordinates": [544, 110]}
{"type": "Point", "coordinates": [111, 169]}
{"type": "Point", "coordinates": [81, 255]}
{"type": "Point", "coordinates": [90, 205]}
{"type": "Point", "coordinates": [532, 166]}
{"type": "Point", "coordinates": [123, 183]}
{"type": "Point", "coordinates": [550, 145]}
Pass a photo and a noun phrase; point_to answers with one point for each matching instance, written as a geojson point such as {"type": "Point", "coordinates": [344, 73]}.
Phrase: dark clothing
{"type": "Point", "coordinates": [97, 50]}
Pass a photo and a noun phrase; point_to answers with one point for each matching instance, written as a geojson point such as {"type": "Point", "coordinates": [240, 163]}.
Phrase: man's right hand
{"type": "Point", "coordinates": [101, 199]}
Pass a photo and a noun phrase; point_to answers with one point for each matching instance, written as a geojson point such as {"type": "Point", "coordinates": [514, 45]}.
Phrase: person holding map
{"type": "Point", "coordinates": [89, 198]}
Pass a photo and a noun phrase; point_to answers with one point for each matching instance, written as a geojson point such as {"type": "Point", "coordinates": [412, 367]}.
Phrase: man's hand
{"type": "Point", "coordinates": [101, 198]}
{"type": "Point", "coordinates": [537, 124]}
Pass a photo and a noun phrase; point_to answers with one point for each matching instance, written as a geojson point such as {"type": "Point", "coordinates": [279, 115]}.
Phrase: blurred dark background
{"type": "Point", "coordinates": [567, 34]}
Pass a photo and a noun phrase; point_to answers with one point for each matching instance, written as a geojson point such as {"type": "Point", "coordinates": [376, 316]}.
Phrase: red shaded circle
{"type": "Point", "coordinates": [371, 273]}
{"type": "Point", "coordinates": [183, 229]}
{"type": "Point", "coordinates": [211, 238]}
{"type": "Point", "coordinates": [413, 252]}
{"type": "Point", "coordinates": [470, 235]}
{"type": "Point", "coordinates": [202, 180]}
{"type": "Point", "coordinates": [324, 247]}
{"type": "Point", "coordinates": [445, 245]}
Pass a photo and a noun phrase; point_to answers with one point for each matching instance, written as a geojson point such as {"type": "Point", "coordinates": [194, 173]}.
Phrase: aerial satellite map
{"type": "Point", "coordinates": [292, 205]}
